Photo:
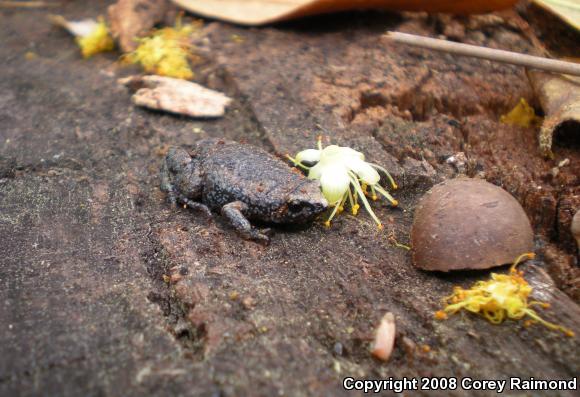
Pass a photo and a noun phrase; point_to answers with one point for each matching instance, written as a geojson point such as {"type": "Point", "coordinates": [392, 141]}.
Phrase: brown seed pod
{"type": "Point", "coordinates": [468, 224]}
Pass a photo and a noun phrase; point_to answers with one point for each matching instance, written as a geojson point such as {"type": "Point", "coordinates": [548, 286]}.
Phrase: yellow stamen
{"type": "Point", "coordinates": [382, 191]}
{"type": "Point", "coordinates": [361, 194]}
{"type": "Point", "coordinates": [527, 255]}
{"type": "Point", "coordinates": [393, 240]}
{"type": "Point", "coordinates": [440, 315]}
{"type": "Point", "coordinates": [374, 194]}
{"type": "Point", "coordinates": [337, 209]}
{"type": "Point", "coordinates": [297, 163]}
{"type": "Point", "coordinates": [387, 174]}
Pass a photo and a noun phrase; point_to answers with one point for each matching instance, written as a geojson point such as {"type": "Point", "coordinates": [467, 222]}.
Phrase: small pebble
{"type": "Point", "coordinates": [248, 302]}
{"type": "Point", "coordinates": [338, 349]}
{"type": "Point", "coordinates": [384, 338]}
{"type": "Point", "coordinates": [564, 163]}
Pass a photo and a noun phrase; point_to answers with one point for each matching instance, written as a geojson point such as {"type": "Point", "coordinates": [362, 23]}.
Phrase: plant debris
{"type": "Point", "coordinates": [345, 175]}
{"type": "Point", "coordinates": [92, 36]}
{"type": "Point", "coordinates": [27, 4]}
{"type": "Point", "coordinates": [258, 12]}
{"type": "Point", "coordinates": [134, 19]}
{"type": "Point", "coordinates": [176, 96]}
{"type": "Point", "coordinates": [522, 115]}
{"type": "Point", "coordinates": [560, 99]}
{"type": "Point", "coordinates": [167, 51]}
{"type": "Point", "coordinates": [504, 296]}
{"type": "Point", "coordinates": [490, 54]}
{"type": "Point", "coordinates": [566, 10]}
{"type": "Point", "coordinates": [384, 343]}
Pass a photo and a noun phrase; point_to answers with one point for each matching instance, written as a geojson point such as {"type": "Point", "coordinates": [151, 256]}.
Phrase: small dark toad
{"type": "Point", "coordinates": [243, 182]}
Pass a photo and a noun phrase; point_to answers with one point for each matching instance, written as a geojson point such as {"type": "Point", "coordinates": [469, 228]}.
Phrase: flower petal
{"type": "Point", "coordinates": [342, 153]}
{"type": "Point", "coordinates": [308, 155]}
{"type": "Point", "coordinates": [335, 182]}
{"type": "Point", "coordinates": [349, 152]}
{"type": "Point", "coordinates": [316, 171]}
{"type": "Point", "coordinates": [365, 171]}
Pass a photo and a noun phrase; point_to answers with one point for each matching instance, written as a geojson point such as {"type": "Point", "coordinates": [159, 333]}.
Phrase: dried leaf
{"type": "Point", "coordinates": [132, 19]}
{"type": "Point", "coordinates": [560, 98]}
{"type": "Point", "coordinates": [567, 10]}
{"type": "Point", "coordinates": [176, 96]}
{"type": "Point", "coordinates": [258, 12]}
{"type": "Point", "coordinates": [384, 338]}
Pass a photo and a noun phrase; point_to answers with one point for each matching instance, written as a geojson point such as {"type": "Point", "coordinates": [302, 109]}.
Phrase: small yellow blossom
{"type": "Point", "coordinates": [167, 51]}
{"type": "Point", "coordinates": [30, 55]}
{"type": "Point", "coordinates": [504, 296]}
{"type": "Point", "coordinates": [522, 115]}
{"type": "Point", "coordinates": [92, 36]}
{"type": "Point", "coordinates": [99, 40]}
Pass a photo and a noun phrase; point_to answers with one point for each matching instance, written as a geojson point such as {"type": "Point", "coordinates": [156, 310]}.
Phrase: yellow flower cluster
{"type": "Point", "coordinates": [504, 296]}
{"type": "Point", "coordinates": [166, 52]}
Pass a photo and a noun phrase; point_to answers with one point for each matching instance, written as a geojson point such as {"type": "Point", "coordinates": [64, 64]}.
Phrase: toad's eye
{"type": "Point", "coordinates": [294, 206]}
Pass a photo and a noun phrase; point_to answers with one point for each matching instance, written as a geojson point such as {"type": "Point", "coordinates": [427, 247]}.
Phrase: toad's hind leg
{"type": "Point", "coordinates": [166, 185]}
{"type": "Point", "coordinates": [234, 213]}
{"type": "Point", "coordinates": [181, 179]}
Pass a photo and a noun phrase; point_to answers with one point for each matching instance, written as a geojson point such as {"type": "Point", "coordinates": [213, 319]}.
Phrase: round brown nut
{"type": "Point", "coordinates": [468, 224]}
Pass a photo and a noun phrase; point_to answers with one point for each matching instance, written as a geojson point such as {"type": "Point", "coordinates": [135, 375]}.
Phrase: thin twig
{"type": "Point", "coordinates": [515, 58]}
{"type": "Point", "coordinates": [26, 4]}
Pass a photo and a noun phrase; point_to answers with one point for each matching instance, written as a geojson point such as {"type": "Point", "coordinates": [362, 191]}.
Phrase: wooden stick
{"type": "Point", "coordinates": [515, 58]}
{"type": "Point", "coordinates": [26, 4]}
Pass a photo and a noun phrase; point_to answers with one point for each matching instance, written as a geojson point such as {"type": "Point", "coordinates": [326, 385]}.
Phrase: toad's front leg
{"type": "Point", "coordinates": [234, 212]}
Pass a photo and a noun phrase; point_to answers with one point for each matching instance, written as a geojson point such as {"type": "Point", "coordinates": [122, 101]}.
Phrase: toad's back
{"type": "Point", "coordinates": [235, 171]}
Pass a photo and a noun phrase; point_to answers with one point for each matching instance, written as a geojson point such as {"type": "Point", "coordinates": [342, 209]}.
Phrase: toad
{"type": "Point", "coordinates": [242, 182]}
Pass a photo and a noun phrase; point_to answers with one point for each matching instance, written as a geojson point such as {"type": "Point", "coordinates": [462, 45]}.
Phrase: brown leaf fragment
{"type": "Point", "coordinates": [176, 96]}
{"type": "Point", "coordinates": [384, 338]}
{"type": "Point", "coordinates": [559, 96]}
{"type": "Point", "coordinates": [259, 12]}
{"type": "Point", "coordinates": [132, 19]}
{"type": "Point", "coordinates": [568, 11]}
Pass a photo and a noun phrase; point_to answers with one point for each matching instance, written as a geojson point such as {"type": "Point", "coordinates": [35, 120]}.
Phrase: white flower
{"type": "Point", "coordinates": [344, 175]}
